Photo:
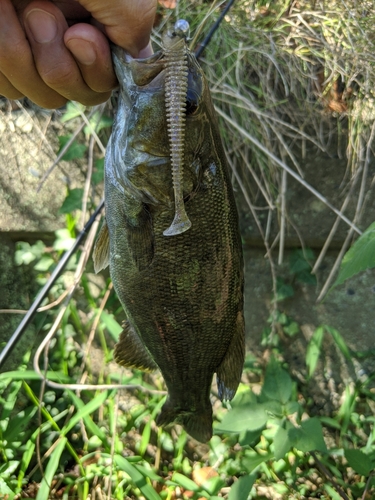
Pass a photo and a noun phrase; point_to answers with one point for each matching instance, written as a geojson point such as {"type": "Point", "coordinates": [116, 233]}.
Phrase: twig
{"type": "Point", "coordinates": [86, 189]}
{"type": "Point", "coordinates": [323, 469]}
{"type": "Point", "coordinates": [268, 250]}
{"type": "Point", "coordinates": [282, 216]}
{"type": "Point", "coordinates": [288, 169]}
{"type": "Point", "coordinates": [59, 156]}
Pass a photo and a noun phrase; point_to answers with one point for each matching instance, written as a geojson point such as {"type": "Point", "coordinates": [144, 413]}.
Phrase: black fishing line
{"type": "Point", "coordinates": [12, 342]}
{"type": "Point", "coordinates": [215, 26]}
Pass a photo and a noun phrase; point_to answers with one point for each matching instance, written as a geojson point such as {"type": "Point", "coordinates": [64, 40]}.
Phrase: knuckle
{"type": "Point", "coordinates": [60, 75]}
{"type": "Point", "coordinates": [17, 51]}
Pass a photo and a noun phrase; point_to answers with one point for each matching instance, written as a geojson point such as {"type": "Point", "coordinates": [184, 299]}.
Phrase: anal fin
{"type": "Point", "coordinates": [131, 352]}
{"type": "Point", "coordinates": [230, 370]}
{"type": "Point", "coordinates": [101, 250]}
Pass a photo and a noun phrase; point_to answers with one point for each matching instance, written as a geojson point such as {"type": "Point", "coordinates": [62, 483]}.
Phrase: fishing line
{"type": "Point", "coordinates": [215, 26]}
{"type": "Point", "coordinates": [12, 342]}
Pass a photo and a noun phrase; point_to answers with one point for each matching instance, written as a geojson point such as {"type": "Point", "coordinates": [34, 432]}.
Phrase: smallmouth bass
{"type": "Point", "coordinates": [181, 287]}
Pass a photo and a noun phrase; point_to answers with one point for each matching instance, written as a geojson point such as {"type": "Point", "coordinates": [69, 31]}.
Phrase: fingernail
{"type": "Point", "coordinates": [146, 52]}
{"type": "Point", "coordinates": [82, 50]}
{"type": "Point", "coordinates": [42, 24]}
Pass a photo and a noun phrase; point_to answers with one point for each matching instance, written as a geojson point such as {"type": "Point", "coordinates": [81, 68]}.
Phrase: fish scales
{"type": "Point", "coordinates": [182, 294]}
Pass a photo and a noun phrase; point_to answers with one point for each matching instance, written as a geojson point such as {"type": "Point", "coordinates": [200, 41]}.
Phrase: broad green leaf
{"type": "Point", "coordinates": [359, 461]}
{"type": "Point", "coordinates": [26, 253]}
{"type": "Point", "coordinates": [277, 383]}
{"type": "Point", "coordinates": [292, 407]}
{"type": "Point", "coordinates": [248, 438]}
{"type": "Point", "coordinates": [111, 324]}
{"type": "Point", "coordinates": [72, 202]}
{"type": "Point", "coordinates": [291, 328]}
{"type": "Point", "coordinates": [243, 418]}
{"type": "Point", "coordinates": [75, 150]}
{"type": "Point", "coordinates": [273, 408]}
{"type": "Point", "coordinates": [44, 264]}
{"type": "Point", "coordinates": [298, 262]}
{"type": "Point", "coordinates": [313, 349]}
{"type": "Point", "coordinates": [284, 291]}
{"type": "Point", "coordinates": [24, 256]}
{"type": "Point", "coordinates": [241, 488]}
{"type": "Point", "coordinates": [73, 110]}
{"type": "Point", "coordinates": [136, 477]}
{"type": "Point", "coordinates": [244, 396]}
{"type": "Point", "coordinates": [5, 491]}
{"type": "Point", "coordinates": [63, 241]}
{"type": "Point", "coordinates": [309, 436]}
{"type": "Point", "coordinates": [7, 469]}
{"type": "Point", "coordinates": [50, 471]}
{"type": "Point", "coordinates": [97, 122]}
{"type": "Point", "coordinates": [282, 443]}
{"type": "Point", "coordinates": [306, 277]}
{"type": "Point", "coordinates": [253, 459]}
{"type": "Point", "coordinates": [359, 257]}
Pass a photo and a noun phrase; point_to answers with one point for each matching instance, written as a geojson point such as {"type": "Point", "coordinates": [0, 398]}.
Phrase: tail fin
{"type": "Point", "coordinates": [197, 423]}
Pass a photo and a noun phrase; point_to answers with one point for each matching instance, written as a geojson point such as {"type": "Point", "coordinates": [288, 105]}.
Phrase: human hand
{"type": "Point", "coordinates": [58, 50]}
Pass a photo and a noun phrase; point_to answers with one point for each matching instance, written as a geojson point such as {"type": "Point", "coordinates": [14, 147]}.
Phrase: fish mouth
{"type": "Point", "coordinates": [145, 72]}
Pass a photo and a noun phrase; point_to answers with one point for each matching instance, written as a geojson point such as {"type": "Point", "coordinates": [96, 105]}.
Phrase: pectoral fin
{"type": "Point", "coordinates": [230, 370]}
{"type": "Point", "coordinates": [141, 238]}
{"type": "Point", "coordinates": [131, 352]}
{"type": "Point", "coordinates": [101, 250]}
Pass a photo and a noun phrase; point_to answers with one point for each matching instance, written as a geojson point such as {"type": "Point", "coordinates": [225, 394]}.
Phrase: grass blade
{"type": "Point", "coordinates": [53, 463]}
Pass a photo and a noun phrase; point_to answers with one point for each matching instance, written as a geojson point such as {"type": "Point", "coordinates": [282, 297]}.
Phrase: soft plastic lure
{"type": "Point", "coordinates": [176, 86]}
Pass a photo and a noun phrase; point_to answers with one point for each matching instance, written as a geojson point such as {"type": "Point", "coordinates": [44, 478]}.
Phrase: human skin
{"type": "Point", "coordinates": [58, 50]}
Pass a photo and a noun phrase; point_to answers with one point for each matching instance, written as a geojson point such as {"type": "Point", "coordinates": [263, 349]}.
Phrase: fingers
{"type": "Point", "coordinates": [127, 23]}
{"type": "Point", "coordinates": [18, 73]}
{"type": "Point", "coordinates": [45, 27]}
{"type": "Point", "coordinates": [7, 89]}
{"type": "Point", "coordinates": [43, 58]}
{"type": "Point", "coordinates": [90, 49]}
{"type": "Point", "coordinates": [49, 62]}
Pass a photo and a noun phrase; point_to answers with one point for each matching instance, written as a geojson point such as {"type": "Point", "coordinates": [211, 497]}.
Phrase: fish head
{"type": "Point", "coordinates": [139, 154]}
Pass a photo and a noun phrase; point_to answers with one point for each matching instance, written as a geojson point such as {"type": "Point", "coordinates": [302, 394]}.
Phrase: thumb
{"type": "Point", "coordinates": [127, 23]}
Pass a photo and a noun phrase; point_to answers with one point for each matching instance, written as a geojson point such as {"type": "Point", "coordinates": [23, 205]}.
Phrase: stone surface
{"type": "Point", "coordinates": [28, 147]}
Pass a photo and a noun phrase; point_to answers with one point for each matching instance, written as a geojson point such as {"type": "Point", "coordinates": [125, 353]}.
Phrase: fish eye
{"type": "Point", "coordinates": [192, 101]}
{"type": "Point", "coordinates": [191, 107]}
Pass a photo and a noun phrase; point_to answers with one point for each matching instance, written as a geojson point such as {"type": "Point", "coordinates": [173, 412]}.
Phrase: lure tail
{"type": "Point", "coordinates": [176, 86]}
{"type": "Point", "coordinates": [197, 424]}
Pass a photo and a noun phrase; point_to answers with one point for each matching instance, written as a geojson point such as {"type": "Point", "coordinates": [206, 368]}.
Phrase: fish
{"type": "Point", "coordinates": [181, 282]}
